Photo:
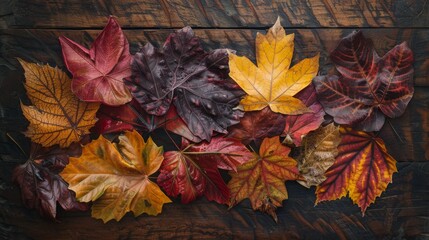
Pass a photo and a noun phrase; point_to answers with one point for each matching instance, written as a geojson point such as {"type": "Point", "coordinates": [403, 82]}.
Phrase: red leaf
{"type": "Point", "coordinates": [363, 168]}
{"type": "Point", "coordinates": [116, 119]}
{"type": "Point", "coordinates": [257, 125]}
{"type": "Point", "coordinates": [41, 186]}
{"type": "Point", "coordinates": [193, 171]}
{"type": "Point", "coordinates": [204, 96]}
{"type": "Point", "coordinates": [98, 73]}
{"type": "Point", "coordinates": [369, 86]}
{"type": "Point", "coordinates": [298, 126]}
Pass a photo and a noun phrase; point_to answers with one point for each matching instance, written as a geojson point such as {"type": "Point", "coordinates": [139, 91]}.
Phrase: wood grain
{"type": "Point", "coordinates": [216, 13]}
{"type": "Point", "coordinates": [401, 211]}
{"type": "Point", "coordinates": [43, 46]}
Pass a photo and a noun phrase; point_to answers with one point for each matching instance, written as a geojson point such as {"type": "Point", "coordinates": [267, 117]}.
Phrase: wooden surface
{"type": "Point", "coordinates": [30, 29]}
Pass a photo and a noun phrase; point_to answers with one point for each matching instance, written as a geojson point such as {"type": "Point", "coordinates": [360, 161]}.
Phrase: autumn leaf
{"type": "Point", "coordinates": [113, 119]}
{"type": "Point", "coordinates": [204, 97]}
{"type": "Point", "coordinates": [130, 116]}
{"type": "Point", "coordinates": [320, 150]}
{"type": "Point", "coordinates": [363, 169]}
{"type": "Point", "coordinates": [115, 176]}
{"type": "Point", "coordinates": [369, 87]}
{"type": "Point", "coordinates": [298, 126]}
{"type": "Point", "coordinates": [262, 178]}
{"type": "Point", "coordinates": [193, 171]}
{"type": "Point", "coordinates": [41, 186]}
{"type": "Point", "coordinates": [257, 125]}
{"type": "Point", "coordinates": [57, 116]}
{"type": "Point", "coordinates": [98, 72]}
{"type": "Point", "coordinates": [272, 83]}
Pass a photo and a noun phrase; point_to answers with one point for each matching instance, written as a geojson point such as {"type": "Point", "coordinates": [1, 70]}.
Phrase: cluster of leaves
{"type": "Point", "coordinates": [229, 114]}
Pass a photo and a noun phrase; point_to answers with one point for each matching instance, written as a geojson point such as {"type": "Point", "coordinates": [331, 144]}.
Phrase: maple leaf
{"type": "Point", "coordinates": [257, 125]}
{"type": "Point", "coordinates": [369, 86]}
{"type": "Point", "coordinates": [204, 97]}
{"type": "Point", "coordinates": [363, 168]}
{"type": "Point", "coordinates": [41, 186]}
{"type": "Point", "coordinates": [320, 150]}
{"type": "Point", "coordinates": [262, 178]}
{"type": "Point", "coordinates": [116, 177]}
{"type": "Point", "coordinates": [272, 83]}
{"type": "Point", "coordinates": [193, 171]}
{"type": "Point", "coordinates": [57, 116]}
{"type": "Point", "coordinates": [98, 73]}
{"type": "Point", "coordinates": [298, 126]}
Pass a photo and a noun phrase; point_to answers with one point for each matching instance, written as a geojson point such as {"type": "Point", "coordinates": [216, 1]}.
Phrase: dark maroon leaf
{"type": "Point", "coordinates": [297, 126]}
{"type": "Point", "coordinates": [369, 87]}
{"type": "Point", "coordinates": [257, 125]}
{"type": "Point", "coordinates": [196, 82]}
{"type": "Point", "coordinates": [41, 186]}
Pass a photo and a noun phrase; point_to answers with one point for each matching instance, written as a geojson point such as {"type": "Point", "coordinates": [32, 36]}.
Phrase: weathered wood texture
{"type": "Point", "coordinates": [43, 46]}
{"type": "Point", "coordinates": [400, 213]}
{"type": "Point", "coordinates": [219, 14]}
{"type": "Point", "coordinates": [30, 29]}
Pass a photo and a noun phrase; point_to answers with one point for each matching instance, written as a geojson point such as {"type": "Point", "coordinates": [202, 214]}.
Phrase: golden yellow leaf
{"type": "Point", "coordinates": [272, 83]}
{"type": "Point", "coordinates": [57, 116]}
{"type": "Point", "coordinates": [116, 177]}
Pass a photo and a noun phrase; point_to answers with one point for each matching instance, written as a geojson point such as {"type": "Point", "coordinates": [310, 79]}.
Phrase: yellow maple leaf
{"type": "Point", "coordinates": [272, 83]}
{"type": "Point", "coordinates": [116, 177]}
{"type": "Point", "coordinates": [57, 116]}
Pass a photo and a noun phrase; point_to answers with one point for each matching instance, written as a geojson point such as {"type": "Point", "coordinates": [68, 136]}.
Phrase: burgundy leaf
{"type": "Point", "coordinates": [113, 119]}
{"type": "Point", "coordinates": [257, 125]}
{"type": "Point", "coordinates": [196, 82]}
{"type": "Point", "coordinates": [42, 187]}
{"type": "Point", "coordinates": [297, 126]}
{"type": "Point", "coordinates": [98, 73]}
{"type": "Point", "coordinates": [369, 87]}
{"type": "Point", "coordinates": [193, 171]}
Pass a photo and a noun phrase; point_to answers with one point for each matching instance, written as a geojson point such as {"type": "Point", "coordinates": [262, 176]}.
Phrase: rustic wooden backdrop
{"type": "Point", "coordinates": [29, 29]}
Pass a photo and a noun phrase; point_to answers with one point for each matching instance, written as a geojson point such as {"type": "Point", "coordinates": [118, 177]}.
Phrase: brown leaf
{"type": "Point", "coordinates": [320, 150]}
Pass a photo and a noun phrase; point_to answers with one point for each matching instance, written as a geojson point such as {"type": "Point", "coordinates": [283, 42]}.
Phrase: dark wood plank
{"type": "Point", "coordinates": [401, 212]}
{"type": "Point", "coordinates": [215, 13]}
{"type": "Point", "coordinates": [42, 45]}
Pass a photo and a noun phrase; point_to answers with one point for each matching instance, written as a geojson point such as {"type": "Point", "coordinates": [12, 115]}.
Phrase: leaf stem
{"type": "Point", "coordinates": [396, 133]}
{"type": "Point", "coordinates": [171, 139]}
{"type": "Point", "coordinates": [17, 144]}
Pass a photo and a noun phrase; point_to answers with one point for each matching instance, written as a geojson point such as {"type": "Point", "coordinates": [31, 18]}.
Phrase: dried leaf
{"type": "Point", "coordinates": [193, 171]}
{"type": "Point", "coordinates": [116, 177]}
{"type": "Point", "coordinates": [262, 178]}
{"type": "Point", "coordinates": [257, 125]}
{"type": "Point", "coordinates": [98, 73]}
{"type": "Point", "coordinates": [204, 97]}
{"type": "Point", "coordinates": [298, 126]}
{"type": "Point", "coordinates": [369, 86]}
{"type": "Point", "coordinates": [57, 116]}
{"type": "Point", "coordinates": [363, 168]}
{"type": "Point", "coordinates": [272, 83]}
{"type": "Point", "coordinates": [320, 150]}
{"type": "Point", "coordinates": [41, 186]}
